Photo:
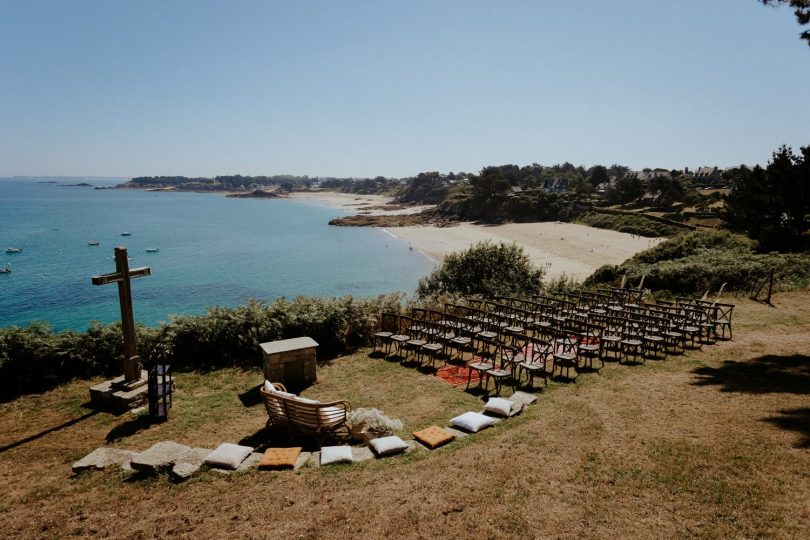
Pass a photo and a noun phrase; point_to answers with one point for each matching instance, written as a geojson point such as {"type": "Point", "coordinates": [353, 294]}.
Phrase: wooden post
{"type": "Point", "coordinates": [770, 286]}
{"type": "Point", "coordinates": [122, 276]}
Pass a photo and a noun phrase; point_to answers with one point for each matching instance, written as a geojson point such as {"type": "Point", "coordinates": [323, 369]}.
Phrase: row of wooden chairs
{"type": "Point", "coordinates": [511, 338]}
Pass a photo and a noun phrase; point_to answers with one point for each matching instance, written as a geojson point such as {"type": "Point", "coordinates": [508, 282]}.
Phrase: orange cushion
{"type": "Point", "coordinates": [279, 458]}
{"type": "Point", "coordinates": [433, 437]}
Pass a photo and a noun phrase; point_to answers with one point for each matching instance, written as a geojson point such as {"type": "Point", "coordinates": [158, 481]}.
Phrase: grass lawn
{"type": "Point", "coordinates": [715, 443]}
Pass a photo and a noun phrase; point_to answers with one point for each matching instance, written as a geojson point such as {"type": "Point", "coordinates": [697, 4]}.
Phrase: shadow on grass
{"type": "Point", "coordinates": [131, 427]}
{"type": "Point", "coordinates": [766, 374]}
{"type": "Point", "coordinates": [42, 433]}
{"type": "Point", "coordinates": [277, 438]}
{"type": "Point", "coordinates": [797, 420]}
{"type": "Point", "coordinates": [251, 397]}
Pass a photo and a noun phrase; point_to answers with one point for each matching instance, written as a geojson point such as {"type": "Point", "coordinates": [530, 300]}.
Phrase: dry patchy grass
{"type": "Point", "coordinates": [711, 444]}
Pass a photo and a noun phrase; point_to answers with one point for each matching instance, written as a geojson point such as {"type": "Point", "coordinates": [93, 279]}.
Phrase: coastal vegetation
{"type": "Point", "coordinates": [33, 358]}
{"type": "Point", "coordinates": [695, 262]}
{"type": "Point", "coordinates": [485, 269]}
{"type": "Point", "coordinates": [628, 223]}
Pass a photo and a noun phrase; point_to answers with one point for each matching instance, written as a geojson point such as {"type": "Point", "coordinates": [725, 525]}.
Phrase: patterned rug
{"type": "Point", "coordinates": [457, 375]}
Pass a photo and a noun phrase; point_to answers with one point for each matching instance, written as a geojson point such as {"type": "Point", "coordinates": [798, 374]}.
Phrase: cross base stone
{"type": "Point", "coordinates": [117, 395]}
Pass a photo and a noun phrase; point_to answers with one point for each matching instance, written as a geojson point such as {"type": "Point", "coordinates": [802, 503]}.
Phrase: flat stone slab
{"type": "Point", "coordinates": [302, 460]}
{"type": "Point", "coordinates": [101, 458]}
{"type": "Point", "coordinates": [159, 457]}
{"type": "Point", "coordinates": [108, 395]}
{"type": "Point", "coordinates": [456, 432]}
{"type": "Point", "coordinates": [189, 463]}
{"type": "Point", "coordinates": [251, 461]}
{"type": "Point", "coordinates": [414, 446]}
{"type": "Point", "coordinates": [361, 453]}
{"type": "Point", "coordinates": [522, 398]}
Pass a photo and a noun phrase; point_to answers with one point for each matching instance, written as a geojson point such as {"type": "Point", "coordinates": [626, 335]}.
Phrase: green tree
{"type": "Point", "coordinates": [802, 12]}
{"type": "Point", "coordinates": [598, 174]}
{"type": "Point", "coordinates": [627, 189]}
{"type": "Point", "coordinates": [772, 205]}
{"type": "Point", "coordinates": [487, 269]}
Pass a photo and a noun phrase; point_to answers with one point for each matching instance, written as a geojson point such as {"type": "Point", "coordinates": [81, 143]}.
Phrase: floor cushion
{"type": "Point", "coordinates": [228, 456]}
{"type": "Point", "coordinates": [385, 446]}
{"type": "Point", "coordinates": [472, 421]}
{"type": "Point", "coordinates": [336, 454]}
{"type": "Point", "coordinates": [433, 437]}
{"type": "Point", "coordinates": [499, 406]}
{"type": "Point", "coordinates": [279, 458]}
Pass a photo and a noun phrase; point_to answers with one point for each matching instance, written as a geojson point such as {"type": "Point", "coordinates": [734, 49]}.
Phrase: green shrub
{"type": "Point", "coordinates": [484, 269]}
{"type": "Point", "coordinates": [695, 262]}
{"type": "Point", "coordinates": [630, 224]}
{"type": "Point", "coordinates": [34, 358]}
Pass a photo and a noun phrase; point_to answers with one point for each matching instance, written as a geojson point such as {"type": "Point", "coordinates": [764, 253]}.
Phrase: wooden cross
{"type": "Point", "coordinates": [122, 275]}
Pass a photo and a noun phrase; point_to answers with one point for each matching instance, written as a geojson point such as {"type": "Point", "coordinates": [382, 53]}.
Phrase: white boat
{"type": "Point", "coordinates": [151, 250]}
{"type": "Point", "coordinates": [125, 233]}
{"type": "Point", "coordinates": [92, 243]}
{"type": "Point", "coordinates": [13, 250]}
{"type": "Point", "coordinates": [6, 270]}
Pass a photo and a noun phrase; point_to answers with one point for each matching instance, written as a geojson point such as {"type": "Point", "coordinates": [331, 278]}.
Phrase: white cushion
{"type": "Point", "coordinates": [499, 406]}
{"type": "Point", "coordinates": [336, 454]}
{"type": "Point", "coordinates": [472, 421]}
{"type": "Point", "coordinates": [269, 388]}
{"type": "Point", "coordinates": [228, 456]}
{"type": "Point", "coordinates": [306, 400]}
{"type": "Point", "coordinates": [385, 446]}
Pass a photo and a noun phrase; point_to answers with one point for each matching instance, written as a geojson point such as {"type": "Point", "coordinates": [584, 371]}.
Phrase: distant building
{"type": "Point", "coordinates": [556, 185]}
{"type": "Point", "coordinates": [707, 174]}
{"type": "Point", "coordinates": [646, 176]}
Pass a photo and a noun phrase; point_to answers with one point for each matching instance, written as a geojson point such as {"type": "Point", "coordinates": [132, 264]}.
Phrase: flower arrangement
{"type": "Point", "coordinates": [374, 420]}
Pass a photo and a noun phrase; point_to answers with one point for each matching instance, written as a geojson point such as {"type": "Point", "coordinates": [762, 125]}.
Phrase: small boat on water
{"type": "Point", "coordinates": [151, 250]}
{"type": "Point", "coordinates": [125, 233]}
{"type": "Point", "coordinates": [92, 243]}
{"type": "Point", "coordinates": [6, 270]}
{"type": "Point", "coordinates": [13, 250]}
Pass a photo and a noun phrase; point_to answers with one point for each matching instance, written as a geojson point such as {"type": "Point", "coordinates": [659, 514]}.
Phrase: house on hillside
{"type": "Point", "coordinates": [707, 174]}
{"type": "Point", "coordinates": [556, 185]}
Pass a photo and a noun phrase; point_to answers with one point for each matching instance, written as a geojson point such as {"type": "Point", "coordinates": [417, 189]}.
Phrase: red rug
{"type": "Point", "coordinates": [457, 375]}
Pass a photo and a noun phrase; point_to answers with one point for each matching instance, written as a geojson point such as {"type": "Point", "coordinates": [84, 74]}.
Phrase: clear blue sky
{"type": "Point", "coordinates": [351, 88]}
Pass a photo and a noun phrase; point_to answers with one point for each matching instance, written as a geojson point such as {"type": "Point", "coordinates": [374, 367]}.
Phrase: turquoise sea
{"type": "Point", "coordinates": [213, 250]}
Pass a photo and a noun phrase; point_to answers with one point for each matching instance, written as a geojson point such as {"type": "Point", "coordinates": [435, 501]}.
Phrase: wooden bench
{"type": "Point", "coordinates": [306, 416]}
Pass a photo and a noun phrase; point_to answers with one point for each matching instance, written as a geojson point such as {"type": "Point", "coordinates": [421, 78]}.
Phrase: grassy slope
{"type": "Point", "coordinates": [714, 443]}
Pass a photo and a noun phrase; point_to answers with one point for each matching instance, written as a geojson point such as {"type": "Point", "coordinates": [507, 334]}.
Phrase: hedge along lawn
{"type": "Point", "coordinates": [714, 443]}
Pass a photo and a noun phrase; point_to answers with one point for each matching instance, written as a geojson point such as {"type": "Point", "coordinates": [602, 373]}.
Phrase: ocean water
{"type": "Point", "coordinates": [213, 250]}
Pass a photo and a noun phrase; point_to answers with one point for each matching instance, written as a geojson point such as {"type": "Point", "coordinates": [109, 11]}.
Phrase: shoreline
{"type": "Point", "coordinates": [569, 249]}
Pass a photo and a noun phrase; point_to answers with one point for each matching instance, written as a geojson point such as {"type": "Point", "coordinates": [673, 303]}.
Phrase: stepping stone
{"type": "Point", "coordinates": [361, 453]}
{"type": "Point", "coordinates": [250, 462]}
{"type": "Point", "coordinates": [315, 459]}
{"type": "Point", "coordinates": [103, 457]}
{"type": "Point", "coordinates": [523, 398]}
{"type": "Point", "coordinates": [159, 457]}
{"type": "Point", "coordinates": [189, 463]}
{"type": "Point", "coordinates": [302, 460]}
{"type": "Point", "coordinates": [457, 432]}
{"type": "Point", "coordinates": [415, 446]}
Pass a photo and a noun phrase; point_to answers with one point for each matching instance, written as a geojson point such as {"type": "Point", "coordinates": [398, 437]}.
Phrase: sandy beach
{"type": "Point", "coordinates": [559, 248]}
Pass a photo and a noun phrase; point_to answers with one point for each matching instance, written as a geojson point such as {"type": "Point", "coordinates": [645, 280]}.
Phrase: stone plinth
{"type": "Point", "coordinates": [290, 362]}
{"type": "Point", "coordinates": [116, 396]}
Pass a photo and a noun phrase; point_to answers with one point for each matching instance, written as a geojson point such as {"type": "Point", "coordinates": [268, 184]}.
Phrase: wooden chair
{"type": "Point", "coordinates": [388, 325]}
{"type": "Point", "coordinates": [723, 319]}
{"type": "Point", "coordinates": [566, 344]}
{"type": "Point", "coordinates": [484, 359]}
{"type": "Point", "coordinates": [537, 357]}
